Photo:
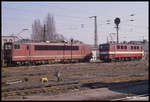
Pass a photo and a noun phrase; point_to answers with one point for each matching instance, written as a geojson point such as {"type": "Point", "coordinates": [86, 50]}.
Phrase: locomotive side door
{"type": "Point", "coordinates": [28, 52]}
{"type": "Point", "coordinates": [82, 50]}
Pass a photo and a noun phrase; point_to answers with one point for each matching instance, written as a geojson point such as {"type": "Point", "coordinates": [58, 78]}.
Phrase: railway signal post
{"type": "Point", "coordinates": [117, 21]}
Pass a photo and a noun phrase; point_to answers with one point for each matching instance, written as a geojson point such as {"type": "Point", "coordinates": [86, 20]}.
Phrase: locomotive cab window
{"type": "Point", "coordinates": [106, 46]}
{"type": "Point", "coordinates": [134, 47]}
{"type": "Point", "coordinates": [125, 47]}
{"type": "Point", "coordinates": [7, 46]}
{"type": "Point", "coordinates": [10, 40]}
{"type": "Point", "coordinates": [121, 47]}
{"type": "Point", "coordinates": [101, 47]}
{"type": "Point", "coordinates": [17, 46]}
{"type": "Point", "coordinates": [118, 46]}
{"type": "Point", "coordinates": [5, 40]}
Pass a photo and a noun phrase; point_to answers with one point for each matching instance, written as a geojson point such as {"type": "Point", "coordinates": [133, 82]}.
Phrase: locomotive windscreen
{"type": "Point", "coordinates": [7, 52]}
{"type": "Point", "coordinates": [104, 46]}
{"type": "Point", "coordinates": [7, 46]}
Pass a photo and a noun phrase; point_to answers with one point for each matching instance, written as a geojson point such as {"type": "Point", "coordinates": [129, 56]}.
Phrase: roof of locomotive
{"type": "Point", "coordinates": [48, 43]}
{"type": "Point", "coordinates": [120, 44]}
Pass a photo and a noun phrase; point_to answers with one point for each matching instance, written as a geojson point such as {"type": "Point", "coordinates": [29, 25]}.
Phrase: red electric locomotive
{"type": "Point", "coordinates": [120, 51]}
{"type": "Point", "coordinates": [45, 52]}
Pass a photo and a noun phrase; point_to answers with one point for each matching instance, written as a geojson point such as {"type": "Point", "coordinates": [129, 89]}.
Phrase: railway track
{"type": "Point", "coordinates": [71, 70]}
{"type": "Point", "coordinates": [81, 73]}
{"type": "Point", "coordinates": [60, 64]}
{"type": "Point", "coordinates": [67, 86]}
{"type": "Point", "coordinates": [61, 86]}
{"type": "Point", "coordinates": [72, 67]}
{"type": "Point", "coordinates": [40, 90]}
{"type": "Point", "coordinates": [73, 76]}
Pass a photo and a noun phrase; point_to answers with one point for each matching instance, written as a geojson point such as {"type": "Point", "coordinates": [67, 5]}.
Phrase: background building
{"type": "Point", "coordinates": [8, 39]}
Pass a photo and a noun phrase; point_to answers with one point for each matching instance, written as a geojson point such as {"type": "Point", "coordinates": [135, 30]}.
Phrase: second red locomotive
{"type": "Point", "coordinates": [120, 51]}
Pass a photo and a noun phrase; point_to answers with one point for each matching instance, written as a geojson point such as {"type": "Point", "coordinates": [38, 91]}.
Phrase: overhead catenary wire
{"type": "Point", "coordinates": [58, 15]}
{"type": "Point", "coordinates": [76, 21]}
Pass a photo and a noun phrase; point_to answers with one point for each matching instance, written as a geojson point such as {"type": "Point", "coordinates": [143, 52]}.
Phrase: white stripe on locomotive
{"type": "Point", "coordinates": [121, 52]}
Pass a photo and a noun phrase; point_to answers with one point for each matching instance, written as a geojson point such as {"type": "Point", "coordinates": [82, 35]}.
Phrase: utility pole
{"type": "Point", "coordinates": [117, 28]}
{"type": "Point", "coordinates": [44, 40]}
{"type": "Point", "coordinates": [71, 48]}
{"type": "Point", "coordinates": [95, 37]}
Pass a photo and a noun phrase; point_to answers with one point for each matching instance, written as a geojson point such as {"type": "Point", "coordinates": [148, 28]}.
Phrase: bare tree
{"type": "Point", "coordinates": [50, 34]}
{"type": "Point", "coordinates": [37, 31]}
{"type": "Point", "coordinates": [50, 28]}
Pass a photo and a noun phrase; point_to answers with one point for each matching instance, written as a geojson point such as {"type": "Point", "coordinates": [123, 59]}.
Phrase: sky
{"type": "Point", "coordinates": [72, 19]}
